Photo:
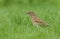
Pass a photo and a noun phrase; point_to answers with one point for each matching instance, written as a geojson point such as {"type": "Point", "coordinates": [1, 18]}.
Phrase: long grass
{"type": "Point", "coordinates": [15, 24]}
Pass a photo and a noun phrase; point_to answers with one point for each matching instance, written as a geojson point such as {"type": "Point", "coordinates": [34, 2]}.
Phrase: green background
{"type": "Point", "coordinates": [16, 24]}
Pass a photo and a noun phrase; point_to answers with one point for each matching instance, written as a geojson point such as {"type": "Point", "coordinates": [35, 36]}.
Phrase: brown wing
{"type": "Point", "coordinates": [39, 21]}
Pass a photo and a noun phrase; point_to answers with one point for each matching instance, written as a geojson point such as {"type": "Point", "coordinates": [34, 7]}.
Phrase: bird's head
{"type": "Point", "coordinates": [31, 13]}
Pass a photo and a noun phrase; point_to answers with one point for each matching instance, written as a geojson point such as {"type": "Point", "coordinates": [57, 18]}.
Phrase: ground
{"type": "Point", "coordinates": [16, 24]}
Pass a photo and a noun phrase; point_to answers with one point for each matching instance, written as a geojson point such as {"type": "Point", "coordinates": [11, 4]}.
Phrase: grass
{"type": "Point", "coordinates": [15, 24]}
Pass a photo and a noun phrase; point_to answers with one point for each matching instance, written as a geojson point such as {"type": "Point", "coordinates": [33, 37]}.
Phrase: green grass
{"type": "Point", "coordinates": [15, 24]}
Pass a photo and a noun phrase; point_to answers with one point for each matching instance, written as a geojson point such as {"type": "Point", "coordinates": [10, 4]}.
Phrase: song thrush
{"type": "Point", "coordinates": [35, 20]}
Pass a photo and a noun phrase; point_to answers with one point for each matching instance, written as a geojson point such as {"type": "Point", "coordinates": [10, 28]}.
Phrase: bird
{"type": "Point", "coordinates": [36, 20]}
